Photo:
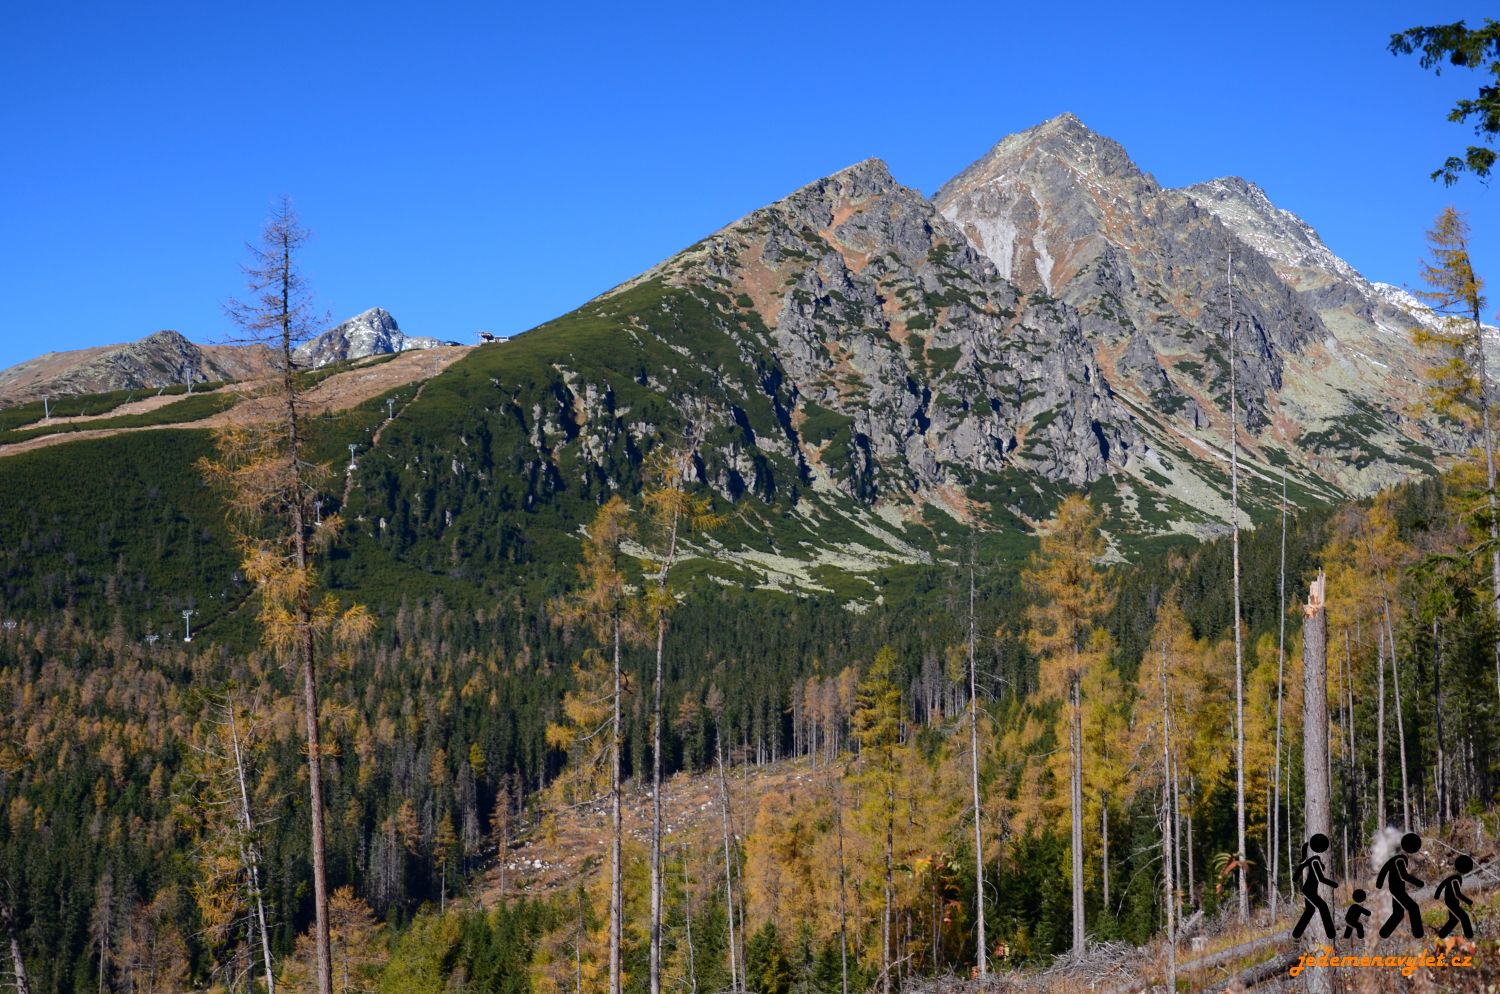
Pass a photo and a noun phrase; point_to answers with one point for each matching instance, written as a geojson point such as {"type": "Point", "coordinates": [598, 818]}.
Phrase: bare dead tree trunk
{"type": "Point", "coordinates": [1379, 727]}
{"type": "Point", "coordinates": [1239, 651]}
{"type": "Point", "coordinates": [104, 911]}
{"type": "Point", "coordinates": [578, 947]}
{"type": "Point", "coordinates": [843, 901]}
{"type": "Point", "coordinates": [1315, 729]}
{"type": "Point", "coordinates": [1440, 780]}
{"type": "Point", "coordinates": [1270, 849]}
{"type": "Point", "coordinates": [1352, 789]}
{"type": "Point", "coordinates": [1400, 741]}
{"type": "Point", "coordinates": [1192, 876]}
{"type": "Point", "coordinates": [734, 981]}
{"type": "Point", "coordinates": [616, 868]}
{"type": "Point", "coordinates": [886, 963]}
{"type": "Point", "coordinates": [1273, 887]}
{"type": "Point", "coordinates": [1389, 634]}
{"type": "Point", "coordinates": [1076, 735]}
{"type": "Point", "coordinates": [661, 642]}
{"type": "Point", "coordinates": [1177, 832]}
{"type": "Point", "coordinates": [981, 952]}
{"type": "Point", "coordinates": [1166, 827]}
{"type": "Point", "coordinates": [1104, 844]}
{"type": "Point", "coordinates": [248, 853]}
{"type": "Point", "coordinates": [17, 963]}
{"type": "Point", "coordinates": [687, 919]}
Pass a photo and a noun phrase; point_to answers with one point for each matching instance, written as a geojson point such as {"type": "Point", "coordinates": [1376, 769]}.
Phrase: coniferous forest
{"type": "Point", "coordinates": [138, 775]}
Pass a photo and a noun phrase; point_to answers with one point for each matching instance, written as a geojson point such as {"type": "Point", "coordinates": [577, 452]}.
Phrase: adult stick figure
{"type": "Point", "coordinates": [1394, 876]}
{"type": "Point", "coordinates": [1310, 872]}
{"type": "Point", "coordinates": [1449, 893]}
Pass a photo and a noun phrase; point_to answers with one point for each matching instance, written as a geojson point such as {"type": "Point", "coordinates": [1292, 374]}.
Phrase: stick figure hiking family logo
{"type": "Point", "coordinates": [1395, 877]}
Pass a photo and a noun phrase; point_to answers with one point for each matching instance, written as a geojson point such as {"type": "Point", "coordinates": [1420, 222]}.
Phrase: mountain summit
{"type": "Point", "coordinates": [374, 332]}
{"type": "Point", "coordinates": [1325, 365]}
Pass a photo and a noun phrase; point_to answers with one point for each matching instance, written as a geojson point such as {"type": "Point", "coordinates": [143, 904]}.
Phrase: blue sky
{"type": "Point", "coordinates": [491, 166]}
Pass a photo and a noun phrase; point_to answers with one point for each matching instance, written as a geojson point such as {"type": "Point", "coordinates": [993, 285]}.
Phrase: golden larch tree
{"type": "Point", "coordinates": [267, 476]}
{"type": "Point", "coordinates": [1068, 594]}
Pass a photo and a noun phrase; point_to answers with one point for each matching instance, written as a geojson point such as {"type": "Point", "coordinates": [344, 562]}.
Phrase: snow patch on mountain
{"type": "Point", "coordinates": [1274, 232]}
{"type": "Point", "coordinates": [1421, 313]}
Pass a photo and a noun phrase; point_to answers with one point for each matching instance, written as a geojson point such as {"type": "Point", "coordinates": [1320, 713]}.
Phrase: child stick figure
{"type": "Point", "coordinates": [1449, 893]}
{"type": "Point", "coordinates": [1354, 918]}
{"type": "Point", "coordinates": [1395, 876]}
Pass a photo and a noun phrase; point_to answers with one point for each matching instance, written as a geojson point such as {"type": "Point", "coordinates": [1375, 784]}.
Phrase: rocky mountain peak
{"type": "Point", "coordinates": [1068, 137]}
{"type": "Point", "coordinates": [896, 363]}
{"type": "Point", "coordinates": [371, 332]}
{"type": "Point", "coordinates": [871, 173]}
{"type": "Point", "coordinates": [1044, 204]}
{"type": "Point", "coordinates": [1056, 152]}
{"type": "Point", "coordinates": [1062, 210]}
{"type": "Point", "coordinates": [1053, 318]}
{"type": "Point", "coordinates": [375, 315]}
{"type": "Point", "coordinates": [165, 339]}
{"type": "Point", "coordinates": [161, 359]}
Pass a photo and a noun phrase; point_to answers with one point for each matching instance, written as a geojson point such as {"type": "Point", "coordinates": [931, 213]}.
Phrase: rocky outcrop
{"type": "Point", "coordinates": [1308, 265]}
{"type": "Point", "coordinates": [1053, 316]}
{"type": "Point", "coordinates": [373, 332]}
{"type": "Point", "coordinates": [908, 363]}
{"type": "Point", "coordinates": [163, 359]}
{"type": "Point", "coordinates": [167, 358]}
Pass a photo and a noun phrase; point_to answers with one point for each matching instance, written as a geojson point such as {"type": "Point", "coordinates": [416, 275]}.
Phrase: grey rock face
{"type": "Point", "coordinates": [1370, 324]}
{"type": "Point", "coordinates": [1304, 262]}
{"type": "Point", "coordinates": [373, 332]}
{"type": "Point", "coordinates": [1062, 210]}
{"type": "Point", "coordinates": [1286, 241]}
{"type": "Point", "coordinates": [1066, 211]}
{"type": "Point", "coordinates": [883, 321]}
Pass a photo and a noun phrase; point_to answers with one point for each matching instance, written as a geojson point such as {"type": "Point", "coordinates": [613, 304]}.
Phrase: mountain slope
{"type": "Point", "coordinates": [866, 373]}
{"type": "Point", "coordinates": [858, 380]}
{"type": "Point", "coordinates": [878, 312]}
{"type": "Point", "coordinates": [160, 360]}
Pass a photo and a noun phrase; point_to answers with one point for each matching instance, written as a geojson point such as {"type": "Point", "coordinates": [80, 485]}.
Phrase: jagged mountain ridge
{"type": "Point", "coordinates": [373, 332]}
{"type": "Point", "coordinates": [168, 358]}
{"type": "Point", "coordinates": [1310, 267]}
{"type": "Point", "coordinates": [1327, 373]}
{"type": "Point", "coordinates": [878, 312]}
{"type": "Point", "coordinates": [850, 358]}
{"type": "Point", "coordinates": [854, 375]}
{"type": "Point", "coordinates": [163, 359]}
